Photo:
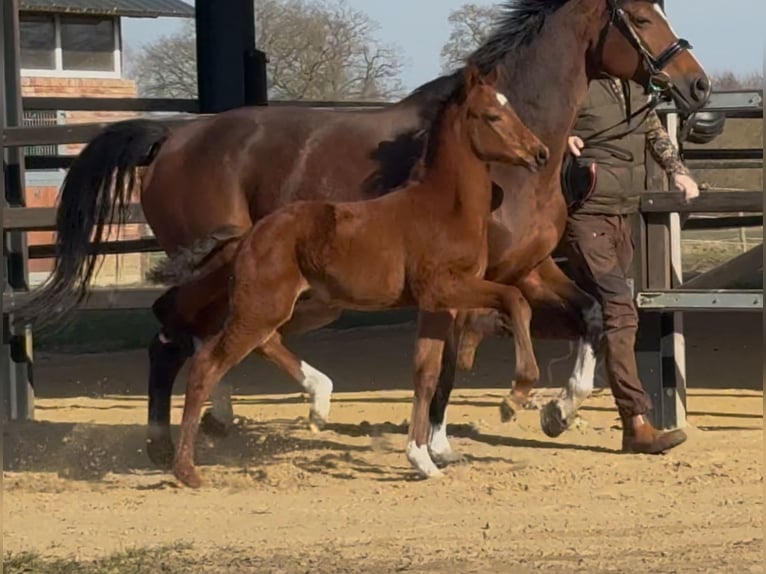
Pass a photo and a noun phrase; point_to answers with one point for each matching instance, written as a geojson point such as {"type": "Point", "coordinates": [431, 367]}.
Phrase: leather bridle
{"type": "Point", "coordinates": [659, 81]}
{"type": "Point", "coordinates": [660, 85]}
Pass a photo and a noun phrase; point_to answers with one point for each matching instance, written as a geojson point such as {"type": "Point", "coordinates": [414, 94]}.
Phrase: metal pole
{"type": "Point", "coordinates": [18, 392]}
{"type": "Point", "coordinates": [230, 71]}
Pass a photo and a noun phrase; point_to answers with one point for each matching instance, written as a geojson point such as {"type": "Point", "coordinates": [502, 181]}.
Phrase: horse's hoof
{"type": "Point", "coordinates": [447, 458]}
{"type": "Point", "coordinates": [316, 421]}
{"type": "Point", "coordinates": [421, 461]}
{"type": "Point", "coordinates": [188, 475]}
{"type": "Point", "coordinates": [212, 427]}
{"type": "Point", "coordinates": [552, 420]}
{"type": "Point", "coordinates": [508, 410]}
{"type": "Point", "coordinates": [161, 451]}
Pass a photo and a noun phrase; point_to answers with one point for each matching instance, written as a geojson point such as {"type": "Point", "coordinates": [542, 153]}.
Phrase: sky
{"type": "Point", "coordinates": [723, 39]}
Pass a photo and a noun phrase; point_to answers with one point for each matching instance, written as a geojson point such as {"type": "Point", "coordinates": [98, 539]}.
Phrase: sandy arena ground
{"type": "Point", "coordinates": [281, 499]}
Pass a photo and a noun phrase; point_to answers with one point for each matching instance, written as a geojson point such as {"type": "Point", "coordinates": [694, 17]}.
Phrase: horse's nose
{"type": "Point", "coordinates": [542, 156]}
{"type": "Point", "coordinates": [701, 89]}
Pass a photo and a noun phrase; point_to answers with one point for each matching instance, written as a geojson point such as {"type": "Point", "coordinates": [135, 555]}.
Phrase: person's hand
{"type": "Point", "coordinates": [686, 184]}
{"type": "Point", "coordinates": [575, 145]}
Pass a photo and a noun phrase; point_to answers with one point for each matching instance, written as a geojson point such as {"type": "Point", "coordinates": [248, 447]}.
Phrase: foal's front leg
{"type": "Point", "coordinates": [433, 331]}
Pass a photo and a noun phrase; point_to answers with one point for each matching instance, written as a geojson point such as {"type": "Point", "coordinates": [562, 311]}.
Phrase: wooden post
{"type": "Point", "coordinates": [18, 392]}
{"type": "Point", "coordinates": [660, 343]}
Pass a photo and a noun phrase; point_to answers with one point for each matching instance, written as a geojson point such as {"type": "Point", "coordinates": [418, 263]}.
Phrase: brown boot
{"type": "Point", "coordinates": [639, 436]}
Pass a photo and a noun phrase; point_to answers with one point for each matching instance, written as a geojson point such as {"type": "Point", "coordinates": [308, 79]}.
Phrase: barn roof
{"type": "Point", "coordinates": [129, 8]}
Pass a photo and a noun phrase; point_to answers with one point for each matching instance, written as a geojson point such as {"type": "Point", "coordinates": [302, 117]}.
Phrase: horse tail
{"type": "Point", "coordinates": [95, 195]}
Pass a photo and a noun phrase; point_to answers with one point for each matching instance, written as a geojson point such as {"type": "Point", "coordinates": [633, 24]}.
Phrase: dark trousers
{"type": "Point", "coordinates": [600, 251]}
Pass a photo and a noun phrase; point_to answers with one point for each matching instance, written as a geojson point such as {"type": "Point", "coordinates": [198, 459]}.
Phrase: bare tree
{"type": "Point", "coordinates": [728, 80]}
{"type": "Point", "coordinates": [316, 50]}
{"type": "Point", "coordinates": [471, 24]}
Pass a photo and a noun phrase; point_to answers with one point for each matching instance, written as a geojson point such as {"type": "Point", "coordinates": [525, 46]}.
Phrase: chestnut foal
{"type": "Point", "coordinates": [423, 245]}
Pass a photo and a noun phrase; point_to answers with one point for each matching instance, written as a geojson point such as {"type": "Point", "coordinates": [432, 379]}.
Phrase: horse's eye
{"type": "Point", "coordinates": [641, 22]}
{"type": "Point", "coordinates": [492, 117]}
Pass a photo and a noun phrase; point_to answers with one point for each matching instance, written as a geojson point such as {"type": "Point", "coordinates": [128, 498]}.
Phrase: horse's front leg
{"type": "Point", "coordinates": [439, 446]}
{"type": "Point", "coordinates": [564, 311]}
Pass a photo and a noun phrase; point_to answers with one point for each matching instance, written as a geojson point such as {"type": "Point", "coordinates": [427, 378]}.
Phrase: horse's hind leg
{"type": "Point", "coordinates": [166, 357]}
{"type": "Point", "coordinates": [550, 285]}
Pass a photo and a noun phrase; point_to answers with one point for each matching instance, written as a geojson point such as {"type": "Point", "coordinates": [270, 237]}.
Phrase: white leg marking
{"type": "Point", "coordinates": [319, 387]}
{"type": "Point", "coordinates": [222, 409]}
{"type": "Point", "coordinates": [580, 384]}
{"type": "Point", "coordinates": [439, 445]}
{"type": "Point", "coordinates": [421, 460]}
{"type": "Point", "coordinates": [558, 414]}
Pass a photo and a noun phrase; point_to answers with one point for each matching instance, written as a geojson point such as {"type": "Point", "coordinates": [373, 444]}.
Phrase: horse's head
{"type": "Point", "coordinates": [497, 134]}
{"type": "Point", "coordinates": [636, 42]}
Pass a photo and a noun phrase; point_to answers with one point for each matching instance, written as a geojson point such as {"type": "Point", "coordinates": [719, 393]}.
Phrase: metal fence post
{"type": "Point", "coordinates": [18, 391]}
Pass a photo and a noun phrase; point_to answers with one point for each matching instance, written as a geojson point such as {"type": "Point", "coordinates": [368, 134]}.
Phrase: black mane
{"type": "Point", "coordinates": [519, 24]}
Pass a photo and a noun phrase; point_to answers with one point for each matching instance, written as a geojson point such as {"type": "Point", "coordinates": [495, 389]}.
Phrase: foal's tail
{"type": "Point", "coordinates": [95, 194]}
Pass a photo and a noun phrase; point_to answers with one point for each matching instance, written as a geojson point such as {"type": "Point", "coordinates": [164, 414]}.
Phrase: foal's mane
{"type": "Point", "coordinates": [519, 23]}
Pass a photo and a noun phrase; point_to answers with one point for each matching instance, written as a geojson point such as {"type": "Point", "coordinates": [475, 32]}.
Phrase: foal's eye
{"type": "Point", "coordinates": [492, 117]}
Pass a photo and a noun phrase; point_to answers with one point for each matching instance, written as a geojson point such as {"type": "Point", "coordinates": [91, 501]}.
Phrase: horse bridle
{"type": "Point", "coordinates": [659, 81]}
{"type": "Point", "coordinates": [660, 85]}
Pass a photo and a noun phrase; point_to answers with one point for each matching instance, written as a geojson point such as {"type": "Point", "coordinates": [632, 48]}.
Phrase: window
{"type": "Point", "coordinates": [87, 44]}
{"type": "Point", "coordinates": [38, 42]}
{"type": "Point", "coordinates": [69, 45]}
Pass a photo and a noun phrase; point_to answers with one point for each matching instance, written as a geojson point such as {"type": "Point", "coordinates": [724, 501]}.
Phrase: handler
{"type": "Point", "coordinates": [603, 187]}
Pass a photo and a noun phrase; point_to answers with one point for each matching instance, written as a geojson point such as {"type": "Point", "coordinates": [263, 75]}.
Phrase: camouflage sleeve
{"type": "Point", "coordinates": [662, 147]}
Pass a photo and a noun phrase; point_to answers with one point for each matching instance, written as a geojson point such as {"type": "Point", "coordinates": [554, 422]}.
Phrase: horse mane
{"type": "Point", "coordinates": [519, 23]}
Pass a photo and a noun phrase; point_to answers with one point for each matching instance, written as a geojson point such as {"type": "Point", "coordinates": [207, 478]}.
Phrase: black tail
{"type": "Point", "coordinates": [95, 195]}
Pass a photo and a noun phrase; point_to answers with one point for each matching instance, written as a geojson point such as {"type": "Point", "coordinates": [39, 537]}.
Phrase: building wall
{"type": "Point", "coordinates": [43, 187]}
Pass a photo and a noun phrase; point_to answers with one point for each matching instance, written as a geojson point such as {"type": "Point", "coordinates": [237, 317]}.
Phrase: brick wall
{"type": "Point", "coordinates": [116, 269]}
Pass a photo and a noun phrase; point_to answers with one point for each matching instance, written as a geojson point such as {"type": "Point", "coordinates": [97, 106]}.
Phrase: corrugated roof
{"type": "Point", "coordinates": [130, 8]}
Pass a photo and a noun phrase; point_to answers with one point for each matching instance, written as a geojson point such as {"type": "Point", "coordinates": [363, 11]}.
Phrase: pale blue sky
{"type": "Point", "coordinates": [725, 35]}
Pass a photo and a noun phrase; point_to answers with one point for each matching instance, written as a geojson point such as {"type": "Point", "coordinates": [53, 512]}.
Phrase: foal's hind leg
{"type": "Point", "coordinates": [316, 384]}
{"type": "Point", "coordinates": [244, 332]}
{"type": "Point", "coordinates": [308, 315]}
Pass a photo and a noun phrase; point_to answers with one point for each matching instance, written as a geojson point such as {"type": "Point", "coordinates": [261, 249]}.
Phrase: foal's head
{"type": "Point", "coordinates": [497, 134]}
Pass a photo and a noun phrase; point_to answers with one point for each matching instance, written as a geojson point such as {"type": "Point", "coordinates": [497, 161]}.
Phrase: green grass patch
{"type": "Point", "coordinates": [162, 560]}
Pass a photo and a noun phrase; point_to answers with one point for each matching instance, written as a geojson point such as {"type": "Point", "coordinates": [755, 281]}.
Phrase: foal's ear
{"type": "Point", "coordinates": [472, 76]}
{"type": "Point", "coordinates": [491, 78]}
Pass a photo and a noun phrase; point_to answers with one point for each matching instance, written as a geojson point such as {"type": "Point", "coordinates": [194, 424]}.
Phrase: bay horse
{"type": "Point", "coordinates": [424, 244]}
{"type": "Point", "coordinates": [211, 179]}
